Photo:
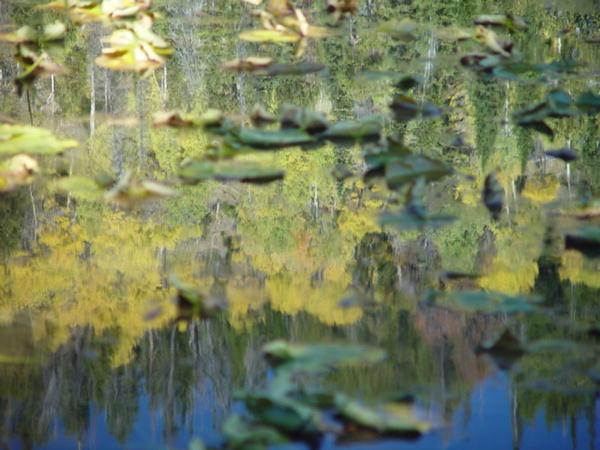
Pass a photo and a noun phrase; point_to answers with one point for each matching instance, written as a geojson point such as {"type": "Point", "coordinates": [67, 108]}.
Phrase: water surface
{"type": "Point", "coordinates": [304, 259]}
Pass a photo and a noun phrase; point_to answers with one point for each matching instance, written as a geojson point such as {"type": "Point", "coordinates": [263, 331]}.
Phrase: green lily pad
{"type": "Point", "coordinates": [412, 167]}
{"type": "Point", "coordinates": [486, 302]}
{"type": "Point", "coordinates": [396, 419]}
{"type": "Point", "coordinates": [80, 187]}
{"type": "Point", "coordinates": [368, 128]}
{"type": "Point", "coordinates": [267, 139]}
{"type": "Point", "coordinates": [509, 21]}
{"type": "Point", "coordinates": [303, 119]}
{"type": "Point", "coordinates": [284, 413]}
{"type": "Point", "coordinates": [273, 36]}
{"type": "Point", "coordinates": [301, 68]}
{"type": "Point", "coordinates": [192, 303]}
{"type": "Point", "coordinates": [195, 172]}
{"type": "Point", "coordinates": [243, 434]}
{"type": "Point", "coordinates": [504, 350]}
{"type": "Point", "coordinates": [406, 108]}
{"type": "Point", "coordinates": [15, 139]}
{"type": "Point", "coordinates": [320, 357]}
{"type": "Point", "coordinates": [585, 240]}
{"type": "Point", "coordinates": [493, 195]}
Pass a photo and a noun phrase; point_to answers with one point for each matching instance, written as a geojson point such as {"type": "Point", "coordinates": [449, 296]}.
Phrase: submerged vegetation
{"type": "Point", "coordinates": [322, 223]}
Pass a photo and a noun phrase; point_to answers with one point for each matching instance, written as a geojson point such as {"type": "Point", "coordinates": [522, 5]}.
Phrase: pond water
{"type": "Point", "coordinates": [91, 353]}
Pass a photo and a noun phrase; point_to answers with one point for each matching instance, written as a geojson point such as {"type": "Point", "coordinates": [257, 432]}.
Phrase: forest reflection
{"type": "Point", "coordinates": [87, 322]}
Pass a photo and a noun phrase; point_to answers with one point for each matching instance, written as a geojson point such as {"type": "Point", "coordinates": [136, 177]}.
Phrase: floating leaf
{"type": "Point", "coordinates": [27, 35]}
{"type": "Point", "coordinates": [259, 116]}
{"type": "Point", "coordinates": [491, 40]}
{"type": "Point", "coordinates": [267, 139]}
{"type": "Point", "coordinates": [403, 30]}
{"type": "Point", "coordinates": [390, 419]}
{"type": "Point", "coordinates": [509, 21]}
{"type": "Point", "coordinates": [23, 35]}
{"type": "Point", "coordinates": [304, 119]}
{"type": "Point", "coordinates": [79, 11]}
{"type": "Point", "coordinates": [301, 68]}
{"type": "Point", "coordinates": [249, 64]}
{"type": "Point", "coordinates": [379, 156]}
{"type": "Point", "coordinates": [135, 49]}
{"type": "Point", "coordinates": [284, 413]}
{"type": "Point", "coordinates": [452, 275]}
{"type": "Point", "coordinates": [17, 171]}
{"type": "Point", "coordinates": [505, 349]}
{"type": "Point", "coordinates": [487, 302]}
{"type": "Point", "coordinates": [412, 167]}
{"type": "Point", "coordinates": [195, 172]}
{"type": "Point", "coordinates": [588, 103]}
{"type": "Point", "coordinates": [566, 154]}
{"type": "Point", "coordinates": [340, 8]}
{"type": "Point", "coordinates": [15, 139]}
{"type": "Point", "coordinates": [368, 128]}
{"type": "Point", "coordinates": [558, 104]}
{"type": "Point", "coordinates": [129, 191]}
{"type": "Point", "coordinates": [454, 34]}
{"type": "Point", "coordinates": [124, 9]}
{"type": "Point", "coordinates": [54, 32]}
{"type": "Point", "coordinates": [406, 108]}
{"type": "Point", "coordinates": [415, 214]}
{"type": "Point", "coordinates": [242, 434]}
{"type": "Point", "coordinates": [481, 62]}
{"type": "Point", "coordinates": [175, 119]}
{"type": "Point", "coordinates": [585, 240]}
{"type": "Point", "coordinates": [81, 187]}
{"type": "Point", "coordinates": [193, 303]}
{"type": "Point", "coordinates": [319, 357]}
{"type": "Point", "coordinates": [274, 36]}
{"type": "Point", "coordinates": [493, 195]}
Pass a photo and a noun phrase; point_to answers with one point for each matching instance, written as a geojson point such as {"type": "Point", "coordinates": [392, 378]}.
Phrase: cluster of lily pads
{"type": "Point", "coordinates": [33, 49]}
{"type": "Point", "coordinates": [20, 143]}
{"type": "Point", "coordinates": [286, 410]}
{"type": "Point", "coordinates": [133, 45]}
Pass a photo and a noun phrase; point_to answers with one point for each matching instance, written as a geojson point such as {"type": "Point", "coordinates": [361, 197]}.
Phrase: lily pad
{"type": "Point", "coordinates": [585, 240]}
{"type": "Point", "coordinates": [565, 154]}
{"type": "Point", "coordinates": [192, 303]}
{"type": "Point", "coordinates": [15, 139]}
{"type": "Point", "coordinates": [17, 171]}
{"type": "Point", "coordinates": [274, 36]}
{"type": "Point", "coordinates": [320, 357]}
{"type": "Point", "coordinates": [284, 413]}
{"type": "Point", "coordinates": [243, 434]}
{"type": "Point", "coordinates": [80, 187]}
{"type": "Point", "coordinates": [406, 108]}
{"type": "Point", "coordinates": [368, 128]}
{"type": "Point", "coordinates": [129, 191]}
{"type": "Point", "coordinates": [304, 119]}
{"type": "Point", "coordinates": [505, 349]}
{"type": "Point", "coordinates": [493, 195]}
{"type": "Point", "coordinates": [396, 419]}
{"type": "Point", "coordinates": [268, 139]}
{"type": "Point", "coordinates": [509, 21]}
{"type": "Point", "coordinates": [487, 302]}
{"type": "Point", "coordinates": [198, 171]}
{"type": "Point", "coordinates": [412, 167]}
